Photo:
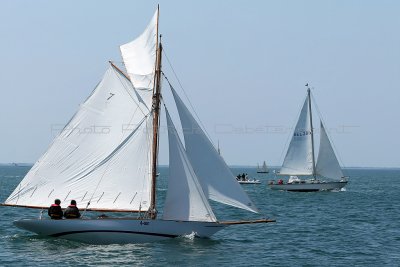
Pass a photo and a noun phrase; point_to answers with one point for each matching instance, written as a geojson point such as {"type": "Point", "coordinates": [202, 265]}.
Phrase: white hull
{"type": "Point", "coordinates": [118, 231]}
{"type": "Point", "coordinates": [250, 182]}
{"type": "Point", "coordinates": [309, 187]}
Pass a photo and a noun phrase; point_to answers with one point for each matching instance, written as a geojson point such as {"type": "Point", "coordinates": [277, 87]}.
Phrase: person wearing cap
{"type": "Point", "coordinates": [55, 211]}
{"type": "Point", "coordinates": [72, 212]}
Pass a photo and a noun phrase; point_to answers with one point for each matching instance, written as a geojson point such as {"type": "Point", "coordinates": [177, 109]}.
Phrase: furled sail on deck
{"type": "Point", "coordinates": [102, 155]}
{"type": "Point", "coordinates": [185, 198]}
{"type": "Point", "coordinates": [327, 163]}
{"type": "Point", "coordinates": [216, 179]}
{"type": "Point", "coordinates": [139, 57]}
{"type": "Point", "coordinates": [298, 159]}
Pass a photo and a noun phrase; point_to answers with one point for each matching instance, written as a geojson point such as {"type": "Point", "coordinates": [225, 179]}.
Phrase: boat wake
{"type": "Point", "coordinates": [190, 236]}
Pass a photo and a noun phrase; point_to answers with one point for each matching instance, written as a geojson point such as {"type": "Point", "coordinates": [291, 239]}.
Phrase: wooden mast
{"type": "Point", "coordinates": [312, 130]}
{"type": "Point", "coordinates": [156, 122]}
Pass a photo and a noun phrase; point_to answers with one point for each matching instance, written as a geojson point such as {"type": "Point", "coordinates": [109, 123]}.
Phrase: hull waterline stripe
{"type": "Point", "coordinates": [111, 231]}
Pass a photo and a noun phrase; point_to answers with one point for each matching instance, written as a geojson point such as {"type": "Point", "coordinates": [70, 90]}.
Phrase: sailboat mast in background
{"type": "Point", "coordinates": [312, 131]}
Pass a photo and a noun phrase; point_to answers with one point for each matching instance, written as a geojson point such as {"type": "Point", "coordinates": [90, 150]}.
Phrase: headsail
{"type": "Point", "coordinates": [217, 181]}
{"type": "Point", "coordinates": [104, 147]}
{"type": "Point", "coordinates": [185, 198]}
{"type": "Point", "coordinates": [299, 159]}
{"type": "Point", "coordinates": [139, 58]}
{"type": "Point", "coordinates": [327, 163]}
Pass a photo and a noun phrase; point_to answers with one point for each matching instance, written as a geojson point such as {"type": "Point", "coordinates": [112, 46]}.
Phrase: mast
{"type": "Point", "coordinates": [312, 130]}
{"type": "Point", "coordinates": [156, 122]}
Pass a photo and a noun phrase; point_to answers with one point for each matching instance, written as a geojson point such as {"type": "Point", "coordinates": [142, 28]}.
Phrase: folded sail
{"type": "Point", "coordinates": [102, 155]}
{"type": "Point", "coordinates": [185, 198]}
{"type": "Point", "coordinates": [217, 181]}
{"type": "Point", "coordinates": [327, 163]}
{"type": "Point", "coordinates": [298, 159]}
{"type": "Point", "coordinates": [139, 57]}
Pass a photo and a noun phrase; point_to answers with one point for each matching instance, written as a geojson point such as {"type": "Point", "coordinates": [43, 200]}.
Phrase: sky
{"type": "Point", "coordinates": [243, 65]}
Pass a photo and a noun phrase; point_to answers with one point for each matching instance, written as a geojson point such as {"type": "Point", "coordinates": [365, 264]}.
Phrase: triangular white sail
{"type": "Point", "coordinates": [218, 182]}
{"type": "Point", "coordinates": [264, 167]}
{"type": "Point", "coordinates": [298, 160]}
{"type": "Point", "coordinates": [185, 198]}
{"type": "Point", "coordinates": [327, 163]}
{"type": "Point", "coordinates": [102, 155]}
{"type": "Point", "coordinates": [139, 58]}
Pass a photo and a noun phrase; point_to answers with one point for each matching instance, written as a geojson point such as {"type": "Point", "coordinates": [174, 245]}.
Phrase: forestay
{"type": "Point", "coordinates": [102, 155]}
{"type": "Point", "coordinates": [185, 199]}
{"type": "Point", "coordinates": [327, 163]}
{"type": "Point", "coordinates": [216, 179]}
{"type": "Point", "coordinates": [299, 160]}
{"type": "Point", "coordinates": [139, 57]}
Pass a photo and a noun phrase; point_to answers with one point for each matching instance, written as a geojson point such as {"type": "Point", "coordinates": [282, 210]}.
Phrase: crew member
{"type": "Point", "coordinates": [55, 211]}
{"type": "Point", "coordinates": [72, 212]}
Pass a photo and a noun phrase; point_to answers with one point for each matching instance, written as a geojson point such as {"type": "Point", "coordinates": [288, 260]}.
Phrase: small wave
{"type": "Point", "coordinates": [190, 236]}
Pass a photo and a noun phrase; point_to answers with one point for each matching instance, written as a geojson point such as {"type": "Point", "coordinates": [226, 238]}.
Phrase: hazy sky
{"type": "Point", "coordinates": [243, 64]}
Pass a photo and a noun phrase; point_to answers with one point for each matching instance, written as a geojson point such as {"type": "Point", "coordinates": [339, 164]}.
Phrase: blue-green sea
{"type": "Point", "coordinates": [356, 227]}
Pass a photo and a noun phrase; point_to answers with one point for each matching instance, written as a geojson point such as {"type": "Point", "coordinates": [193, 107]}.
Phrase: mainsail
{"type": "Point", "coordinates": [139, 58]}
{"type": "Point", "coordinates": [216, 179]}
{"type": "Point", "coordinates": [264, 167]}
{"type": "Point", "coordinates": [103, 148]}
{"type": "Point", "coordinates": [299, 158]}
{"type": "Point", "coordinates": [327, 163]}
{"type": "Point", "coordinates": [185, 198]}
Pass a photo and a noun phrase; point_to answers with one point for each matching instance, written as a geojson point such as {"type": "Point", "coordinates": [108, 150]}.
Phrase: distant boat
{"type": "Point", "coordinates": [244, 179]}
{"type": "Point", "coordinates": [263, 169]}
{"type": "Point", "coordinates": [300, 159]}
{"type": "Point", "coordinates": [116, 172]}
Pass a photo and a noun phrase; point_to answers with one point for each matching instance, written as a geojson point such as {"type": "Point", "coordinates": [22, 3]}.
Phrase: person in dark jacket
{"type": "Point", "coordinates": [72, 212]}
{"type": "Point", "coordinates": [55, 211]}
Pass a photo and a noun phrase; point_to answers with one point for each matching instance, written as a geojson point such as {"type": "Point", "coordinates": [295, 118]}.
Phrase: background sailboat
{"type": "Point", "coordinates": [116, 171]}
{"type": "Point", "coordinates": [263, 169]}
{"type": "Point", "coordinates": [300, 159]}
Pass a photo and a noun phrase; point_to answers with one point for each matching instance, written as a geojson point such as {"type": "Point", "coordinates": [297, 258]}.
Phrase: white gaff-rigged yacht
{"type": "Point", "coordinates": [300, 159]}
{"type": "Point", "coordinates": [115, 170]}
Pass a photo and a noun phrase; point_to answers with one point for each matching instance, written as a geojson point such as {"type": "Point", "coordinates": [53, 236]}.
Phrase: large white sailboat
{"type": "Point", "coordinates": [325, 174]}
{"type": "Point", "coordinates": [106, 159]}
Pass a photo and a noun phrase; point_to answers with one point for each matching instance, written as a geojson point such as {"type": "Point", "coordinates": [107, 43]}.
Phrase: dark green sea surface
{"type": "Point", "coordinates": [356, 227]}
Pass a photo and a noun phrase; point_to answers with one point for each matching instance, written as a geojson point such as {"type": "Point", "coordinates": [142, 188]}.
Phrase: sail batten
{"type": "Point", "coordinates": [216, 179]}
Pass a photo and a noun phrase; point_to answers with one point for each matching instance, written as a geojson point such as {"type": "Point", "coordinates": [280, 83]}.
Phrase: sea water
{"type": "Point", "coordinates": [356, 227]}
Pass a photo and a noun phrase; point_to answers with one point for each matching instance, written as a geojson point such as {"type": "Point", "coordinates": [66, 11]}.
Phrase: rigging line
{"type": "Point", "coordinates": [184, 92]}
{"type": "Point", "coordinates": [330, 139]}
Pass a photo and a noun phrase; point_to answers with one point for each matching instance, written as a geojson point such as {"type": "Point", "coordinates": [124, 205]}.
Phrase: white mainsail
{"type": "Point", "coordinates": [299, 159]}
{"type": "Point", "coordinates": [185, 199]}
{"type": "Point", "coordinates": [217, 181]}
{"type": "Point", "coordinates": [103, 148]}
{"type": "Point", "coordinates": [139, 58]}
{"type": "Point", "coordinates": [327, 163]}
{"type": "Point", "coordinates": [264, 167]}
